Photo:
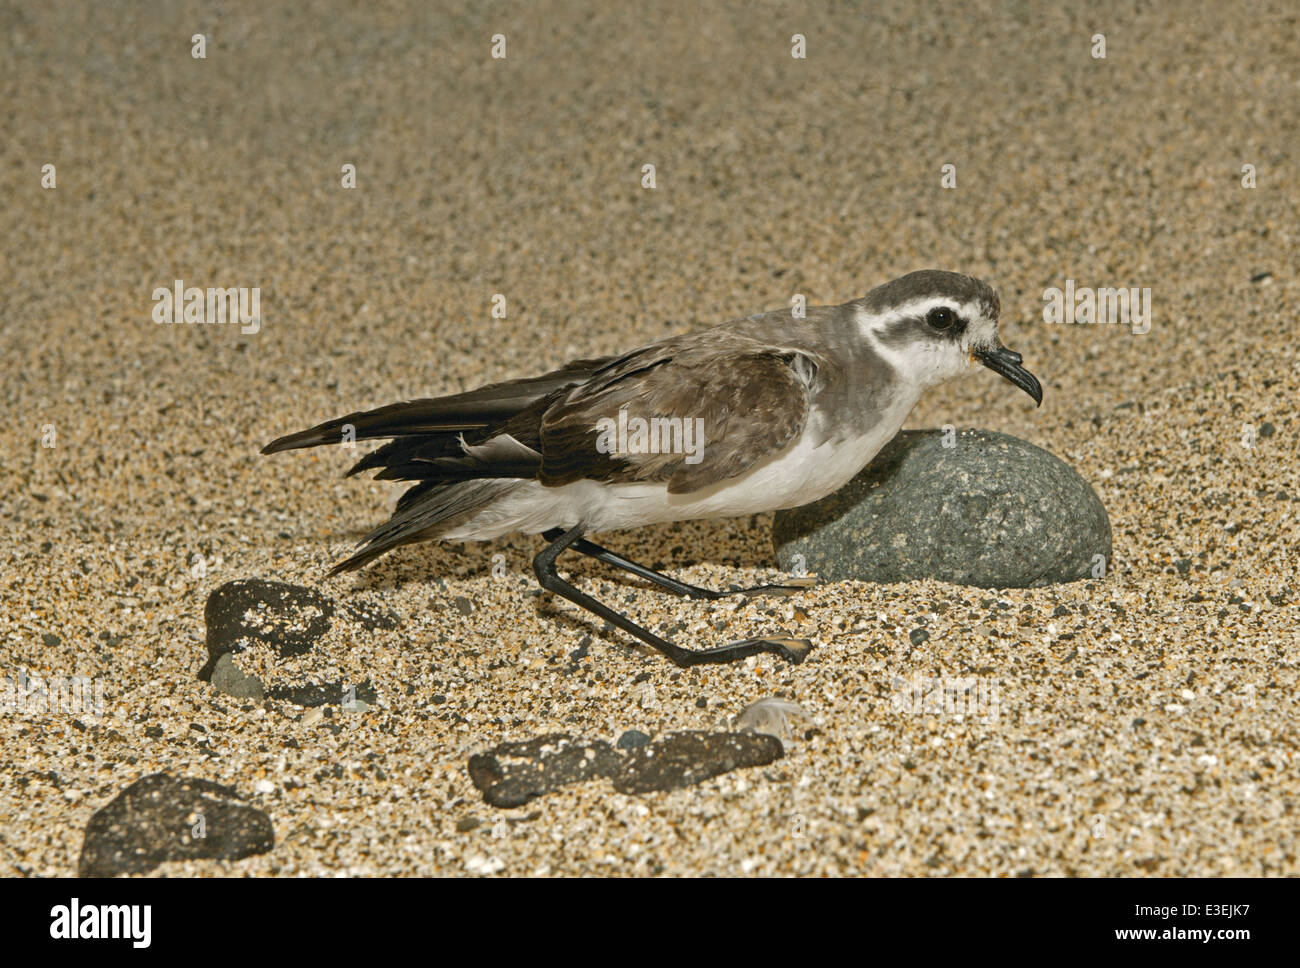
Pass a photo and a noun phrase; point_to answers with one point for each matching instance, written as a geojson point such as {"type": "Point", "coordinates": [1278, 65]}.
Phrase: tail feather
{"type": "Point", "coordinates": [419, 517]}
{"type": "Point", "coordinates": [464, 450]}
{"type": "Point", "coordinates": [447, 472]}
{"type": "Point", "coordinates": [407, 450]}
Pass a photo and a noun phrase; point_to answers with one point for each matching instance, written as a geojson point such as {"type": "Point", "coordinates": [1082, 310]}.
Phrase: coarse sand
{"type": "Point", "coordinates": [1141, 723]}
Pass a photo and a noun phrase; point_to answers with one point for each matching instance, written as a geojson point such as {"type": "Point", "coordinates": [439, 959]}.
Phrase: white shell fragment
{"type": "Point", "coordinates": [771, 716]}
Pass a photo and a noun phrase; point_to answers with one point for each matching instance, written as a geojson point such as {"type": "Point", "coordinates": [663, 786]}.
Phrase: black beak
{"type": "Point", "coordinates": [1006, 362]}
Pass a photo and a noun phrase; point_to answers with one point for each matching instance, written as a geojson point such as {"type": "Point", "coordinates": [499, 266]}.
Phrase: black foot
{"type": "Point", "coordinates": [791, 586]}
{"type": "Point", "coordinates": [792, 650]}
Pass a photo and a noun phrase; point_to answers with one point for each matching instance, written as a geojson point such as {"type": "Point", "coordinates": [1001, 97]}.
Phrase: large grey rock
{"type": "Point", "coordinates": [233, 681]}
{"type": "Point", "coordinates": [989, 510]}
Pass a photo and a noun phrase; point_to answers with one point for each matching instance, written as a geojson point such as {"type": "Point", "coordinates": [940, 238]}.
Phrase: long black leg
{"type": "Point", "coordinates": [585, 547]}
{"type": "Point", "coordinates": [792, 650]}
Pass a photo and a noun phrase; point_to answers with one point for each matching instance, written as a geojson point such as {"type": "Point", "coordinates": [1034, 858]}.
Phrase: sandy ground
{"type": "Point", "coordinates": [1148, 727]}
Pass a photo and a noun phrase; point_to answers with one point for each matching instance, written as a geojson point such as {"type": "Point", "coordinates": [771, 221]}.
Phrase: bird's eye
{"type": "Point", "coordinates": [941, 318]}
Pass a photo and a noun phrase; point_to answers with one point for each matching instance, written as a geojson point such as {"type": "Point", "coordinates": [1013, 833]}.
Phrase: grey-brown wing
{"type": "Point", "coordinates": [743, 403]}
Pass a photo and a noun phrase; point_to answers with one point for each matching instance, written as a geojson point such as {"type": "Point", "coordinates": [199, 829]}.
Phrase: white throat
{"type": "Point", "coordinates": [920, 364]}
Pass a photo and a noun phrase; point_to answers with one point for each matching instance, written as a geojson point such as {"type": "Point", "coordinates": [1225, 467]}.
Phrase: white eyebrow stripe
{"type": "Point", "coordinates": [914, 307]}
{"type": "Point", "coordinates": [871, 323]}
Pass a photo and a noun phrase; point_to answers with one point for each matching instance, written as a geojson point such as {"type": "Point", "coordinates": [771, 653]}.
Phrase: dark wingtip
{"type": "Point", "coordinates": [326, 433]}
{"type": "Point", "coordinates": [287, 442]}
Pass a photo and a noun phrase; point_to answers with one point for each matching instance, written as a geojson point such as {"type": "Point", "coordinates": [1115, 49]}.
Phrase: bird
{"type": "Point", "coordinates": [762, 413]}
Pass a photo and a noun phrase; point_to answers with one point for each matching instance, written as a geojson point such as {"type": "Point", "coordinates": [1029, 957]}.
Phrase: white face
{"type": "Point", "coordinates": [927, 347]}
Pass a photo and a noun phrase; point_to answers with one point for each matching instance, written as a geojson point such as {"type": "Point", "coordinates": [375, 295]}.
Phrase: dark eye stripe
{"type": "Point", "coordinates": [908, 330]}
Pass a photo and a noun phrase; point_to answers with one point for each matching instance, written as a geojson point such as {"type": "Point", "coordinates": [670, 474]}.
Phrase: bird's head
{"type": "Point", "coordinates": [932, 326]}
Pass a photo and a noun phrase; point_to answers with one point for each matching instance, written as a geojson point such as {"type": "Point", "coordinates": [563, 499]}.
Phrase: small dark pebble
{"type": "Point", "coordinates": [325, 694]}
{"type": "Point", "coordinates": [288, 617]}
{"type": "Point", "coordinates": [373, 617]}
{"type": "Point", "coordinates": [632, 739]}
{"type": "Point", "coordinates": [153, 821]}
{"type": "Point", "coordinates": [511, 774]}
{"type": "Point", "coordinates": [686, 758]}
{"type": "Point", "coordinates": [581, 651]}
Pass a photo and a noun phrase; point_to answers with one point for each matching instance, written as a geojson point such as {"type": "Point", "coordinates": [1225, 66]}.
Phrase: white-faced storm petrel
{"type": "Point", "coordinates": [757, 414]}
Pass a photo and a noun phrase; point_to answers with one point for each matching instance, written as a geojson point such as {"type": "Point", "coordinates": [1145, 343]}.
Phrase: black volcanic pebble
{"type": "Point", "coordinates": [325, 693]}
{"type": "Point", "coordinates": [511, 774]}
{"type": "Point", "coordinates": [686, 758]}
{"type": "Point", "coordinates": [162, 818]}
{"type": "Point", "coordinates": [288, 617]}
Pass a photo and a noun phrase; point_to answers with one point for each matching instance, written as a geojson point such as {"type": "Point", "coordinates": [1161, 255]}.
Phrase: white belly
{"type": "Point", "coordinates": [802, 473]}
